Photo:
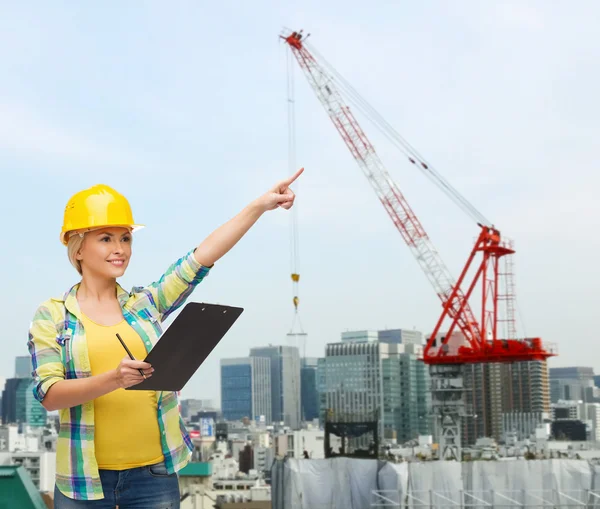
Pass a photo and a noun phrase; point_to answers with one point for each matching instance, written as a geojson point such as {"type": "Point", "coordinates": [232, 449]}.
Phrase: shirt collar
{"type": "Point", "coordinates": [70, 299]}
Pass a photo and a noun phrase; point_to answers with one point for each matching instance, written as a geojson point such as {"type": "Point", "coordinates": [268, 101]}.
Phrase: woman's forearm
{"type": "Point", "coordinates": [70, 393]}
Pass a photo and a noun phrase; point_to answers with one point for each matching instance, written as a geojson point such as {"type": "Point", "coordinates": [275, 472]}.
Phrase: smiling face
{"type": "Point", "coordinates": [105, 252]}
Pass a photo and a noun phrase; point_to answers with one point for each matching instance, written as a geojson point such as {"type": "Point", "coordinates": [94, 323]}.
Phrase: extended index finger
{"type": "Point", "coordinates": [294, 177]}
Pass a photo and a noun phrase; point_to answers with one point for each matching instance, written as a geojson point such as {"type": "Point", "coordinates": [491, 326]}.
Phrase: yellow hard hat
{"type": "Point", "coordinates": [96, 207]}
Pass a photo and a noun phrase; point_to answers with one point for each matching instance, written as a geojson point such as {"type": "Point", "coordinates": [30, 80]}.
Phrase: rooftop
{"type": "Point", "coordinates": [198, 469]}
{"type": "Point", "coordinates": [17, 489]}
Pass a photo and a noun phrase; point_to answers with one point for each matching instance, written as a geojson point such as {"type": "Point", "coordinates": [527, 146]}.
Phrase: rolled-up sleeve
{"type": "Point", "coordinates": [177, 283]}
{"type": "Point", "coordinates": [46, 359]}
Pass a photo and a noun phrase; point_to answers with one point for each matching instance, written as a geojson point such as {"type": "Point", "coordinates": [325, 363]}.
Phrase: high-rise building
{"type": "Point", "coordinates": [9, 402]}
{"type": "Point", "coordinates": [246, 388]}
{"type": "Point", "coordinates": [285, 383]}
{"type": "Point", "coordinates": [495, 389]}
{"type": "Point", "coordinates": [309, 391]}
{"type": "Point", "coordinates": [23, 366]}
{"type": "Point", "coordinates": [572, 383]}
{"type": "Point", "coordinates": [2, 383]}
{"type": "Point", "coordinates": [370, 374]}
{"type": "Point", "coordinates": [35, 414]}
{"type": "Point", "coordinates": [587, 413]}
{"type": "Point", "coordinates": [404, 336]}
{"type": "Point", "coordinates": [396, 336]}
{"type": "Point", "coordinates": [190, 407]}
{"type": "Point", "coordinates": [19, 406]}
{"type": "Point", "coordinates": [593, 417]}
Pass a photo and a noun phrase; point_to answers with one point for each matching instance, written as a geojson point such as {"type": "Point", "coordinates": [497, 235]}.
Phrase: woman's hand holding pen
{"type": "Point", "coordinates": [76, 391]}
{"type": "Point", "coordinates": [128, 372]}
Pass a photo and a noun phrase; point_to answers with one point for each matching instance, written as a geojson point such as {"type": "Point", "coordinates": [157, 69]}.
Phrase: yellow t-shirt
{"type": "Point", "coordinates": [126, 431]}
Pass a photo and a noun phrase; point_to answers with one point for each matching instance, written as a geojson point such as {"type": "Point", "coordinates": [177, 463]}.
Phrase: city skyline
{"type": "Point", "coordinates": [387, 335]}
{"type": "Point", "coordinates": [501, 395]}
{"type": "Point", "coordinates": [493, 101]}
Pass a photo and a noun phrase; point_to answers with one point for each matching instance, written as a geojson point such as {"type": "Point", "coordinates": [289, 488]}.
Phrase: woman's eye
{"type": "Point", "coordinates": [105, 239]}
{"type": "Point", "coordinates": [126, 239]}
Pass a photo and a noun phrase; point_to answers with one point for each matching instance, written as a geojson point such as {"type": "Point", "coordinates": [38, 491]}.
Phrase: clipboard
{"type": "Point", "coordinates": [186, 344]}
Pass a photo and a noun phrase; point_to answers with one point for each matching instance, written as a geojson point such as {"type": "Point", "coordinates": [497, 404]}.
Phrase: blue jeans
{"type": "Point", "coordinates": [148, 487]}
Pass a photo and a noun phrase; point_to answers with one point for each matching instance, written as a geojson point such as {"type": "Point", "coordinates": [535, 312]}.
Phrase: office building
{"type": "Point", "coordinates": [569, 421]}
{"type": "Point", "coordinates": [322, 388]}
{"type": "Point", "coordinates": [365, 376]}
{"type": "Point", "coordinates": [403, 336]}
{"type": "Point", "coordinates": [32, 448]}
{"type": "Point", "coordinates": [309, 391]}
{"type": "Point", "coordinates": [391, 336]}
{"type": "Point", "coordinates": [190, 407]}
{"type": "Point", "coordinates": [570, 410]}
{"type": "Point", "coordinates": [285, 383]}
{"type": "Point", "coordinates": [246, 388]}
{"type": "Point", "coordinates": [19, 406]}
{"type": "Point", "coordinates": [572, 383]}
{"type": "Point", "coordinates": [23, 366]}
{"type": "Point", "coordinates": [579, 411]}
{"type": "Point", "coordinates": [496, 389]}
{"type": "Point", "coordinates": [36, 415]}
{"type": "Point", "coordinates": [593, 418]}
{"type": "Point", "coordinates": [573, 373]}
{"type": "Point", "coordinates": [9, 402]}
{"type": "Point", "coordinates": [263, 458]}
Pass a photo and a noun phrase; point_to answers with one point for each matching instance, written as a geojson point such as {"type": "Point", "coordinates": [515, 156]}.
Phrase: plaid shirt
{"type": "Point", "coordinates": [59, 351]}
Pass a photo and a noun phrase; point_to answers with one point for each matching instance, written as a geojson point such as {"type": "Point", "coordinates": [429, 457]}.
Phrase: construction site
{"type": "Point", "coordinates": [437, 354]}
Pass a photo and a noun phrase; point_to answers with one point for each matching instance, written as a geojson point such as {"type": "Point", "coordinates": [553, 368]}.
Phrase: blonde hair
{"type": "Point", "coordinates": [73, 247]}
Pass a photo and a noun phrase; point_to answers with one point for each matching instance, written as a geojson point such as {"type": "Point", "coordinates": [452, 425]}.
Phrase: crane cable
{"type": "Point", "coordinates": [401, 144]}
{"type": "Point", "coordinates": [294, 236]}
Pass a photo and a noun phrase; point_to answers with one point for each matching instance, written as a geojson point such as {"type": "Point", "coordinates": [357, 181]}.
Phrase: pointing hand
{"type": "Point", "coordinates": [280, 195]}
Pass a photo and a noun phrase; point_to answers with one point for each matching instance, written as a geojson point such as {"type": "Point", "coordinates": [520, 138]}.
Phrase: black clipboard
{"type": "Point", "coordinates": [186, 344]}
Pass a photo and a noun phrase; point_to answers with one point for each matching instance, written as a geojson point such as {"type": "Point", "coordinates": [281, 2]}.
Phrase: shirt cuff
{"type": "Point", "coordinates": [198, 270]}
{"type": "Point", "coordinates": [41, 389]}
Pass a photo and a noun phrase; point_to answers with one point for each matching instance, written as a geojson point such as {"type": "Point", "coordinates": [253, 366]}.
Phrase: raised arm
{"type": "Point", "coordinates": [180, 279]}
{"type": "Point", "coordinates": [219, 242]}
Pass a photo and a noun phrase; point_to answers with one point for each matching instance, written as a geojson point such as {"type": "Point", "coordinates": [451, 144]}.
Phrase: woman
{"type": "Point", "coordinates": [118, 447]}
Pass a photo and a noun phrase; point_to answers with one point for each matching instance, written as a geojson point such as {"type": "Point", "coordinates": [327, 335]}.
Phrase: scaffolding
{"type": "Point", "coordinates": [494, 499]}
{"type": "Point", "coordinates": [349, 483]}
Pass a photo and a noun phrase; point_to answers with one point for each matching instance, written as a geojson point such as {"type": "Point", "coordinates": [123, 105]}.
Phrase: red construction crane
{"type": "Point", "coordinates": [481, 342]}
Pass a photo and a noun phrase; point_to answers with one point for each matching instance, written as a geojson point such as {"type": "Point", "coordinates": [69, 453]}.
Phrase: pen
{"type": "Point", "coordinates": [129, 353]}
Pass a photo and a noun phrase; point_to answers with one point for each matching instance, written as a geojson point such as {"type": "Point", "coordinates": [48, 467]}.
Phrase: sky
{"type": "Point", "coordinates": [182, 107]}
